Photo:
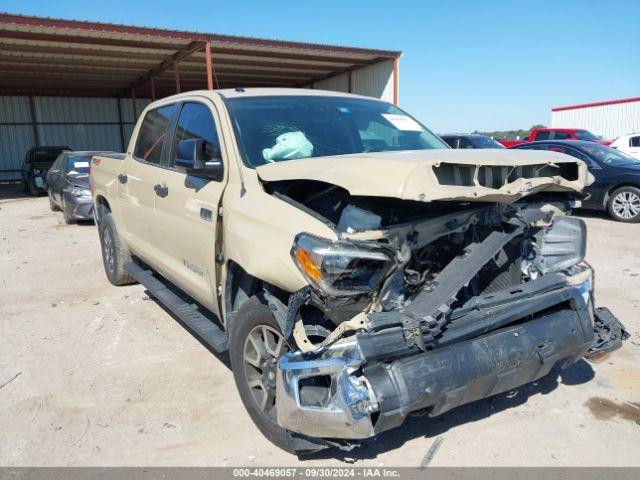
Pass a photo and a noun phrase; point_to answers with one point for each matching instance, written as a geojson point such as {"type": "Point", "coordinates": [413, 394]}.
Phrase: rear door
{"type": "Point", "coordinates": [137, 182]}
{"type": "Point", "coordinates": [187, 212]}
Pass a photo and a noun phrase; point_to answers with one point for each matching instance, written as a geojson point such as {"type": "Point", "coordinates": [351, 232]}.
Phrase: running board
{"type": "Point", "coordinates": [203, 327]}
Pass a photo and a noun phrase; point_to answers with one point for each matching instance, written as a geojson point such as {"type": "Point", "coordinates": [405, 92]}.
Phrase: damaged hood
{"type": "Point", "coordinates": [501, 176]}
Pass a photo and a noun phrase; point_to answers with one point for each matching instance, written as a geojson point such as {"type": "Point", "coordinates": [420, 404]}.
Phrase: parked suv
{"type": "Point", "coordinates": [36, 165]}
{"type": "Point", "coordinates": [356, 268]}
{"type": "Point", "coordinates": [68, 185]}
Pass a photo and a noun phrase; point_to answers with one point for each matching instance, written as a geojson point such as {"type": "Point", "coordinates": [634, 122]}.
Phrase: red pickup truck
{"type": "Point", "coordinates": [557, 134]}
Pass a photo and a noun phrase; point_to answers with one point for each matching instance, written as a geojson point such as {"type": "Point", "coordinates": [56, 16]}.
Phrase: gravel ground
{"type": "Point", "coordinates": [94, 375]}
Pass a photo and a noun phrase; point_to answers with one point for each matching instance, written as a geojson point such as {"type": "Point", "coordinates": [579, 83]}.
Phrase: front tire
{"type": "Point", "coordinates": [255, 346]}
{"type": "Point", "coordinates": [624, 205]}
{"type": "Point", "coordinates": [66, 213]}
{"type": "Point", "coordinates": [114, 254]}
{"type": "Point", "coordinates": [52, 203]}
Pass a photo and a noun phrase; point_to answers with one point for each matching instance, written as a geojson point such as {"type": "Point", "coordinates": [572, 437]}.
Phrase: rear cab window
{"type": "Point", "coordinates": [561, 135]}
{"type": "Point", "coordinates": [542, 135]}
{"type": "Point", "coordinates": [152, 133]}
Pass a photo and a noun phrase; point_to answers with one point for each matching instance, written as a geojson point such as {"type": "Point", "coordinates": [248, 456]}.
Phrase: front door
{"type": "Point", "coordinates": [137, 185]}
{"type": "Point", "coordinates": [187, 213]}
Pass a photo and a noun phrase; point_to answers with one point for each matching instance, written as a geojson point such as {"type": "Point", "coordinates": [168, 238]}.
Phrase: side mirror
{"type": "Point", "coordinates": [192, 156]}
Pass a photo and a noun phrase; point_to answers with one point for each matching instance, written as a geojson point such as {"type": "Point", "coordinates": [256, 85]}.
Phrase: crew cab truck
{"type": "Point", "coordinates": [356, 268]}
{"type": "Point", "coordinates": [538, 134]}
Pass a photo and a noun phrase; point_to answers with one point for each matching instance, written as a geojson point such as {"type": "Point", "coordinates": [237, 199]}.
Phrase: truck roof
{"type": "Point", "coordinates": [264, 92]}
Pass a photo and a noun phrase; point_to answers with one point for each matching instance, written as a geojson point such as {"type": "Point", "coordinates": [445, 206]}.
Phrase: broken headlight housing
{"type": "Point", "coordinates": [79, 191]}
{"type": "Point", "coordinates": [341, 267]}
{"type": "Point", "coordinates": [559, 247]}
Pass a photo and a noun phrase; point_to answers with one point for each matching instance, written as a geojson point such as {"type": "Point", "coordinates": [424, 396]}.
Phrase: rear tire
{"type": "Point", "coordinates": [33, 189]}
{"type": "Point", "coordinates": [114, 254]}
{"type": "Point", "coordinates": [624, 205]}
{"type": "Point", "coordinates": [254, 318]}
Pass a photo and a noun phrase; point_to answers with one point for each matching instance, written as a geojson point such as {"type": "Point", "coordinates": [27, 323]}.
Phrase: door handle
{"type": "Point", "coordinates": [160, 190]}
{"type": "Point", "coordinates": [122, 178]}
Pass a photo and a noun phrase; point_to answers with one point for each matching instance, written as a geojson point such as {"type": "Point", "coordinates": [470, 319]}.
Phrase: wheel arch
{"type": "Point", "coordinates": [102, 207]}
{"type": "Point", "coordinates": [240, 286]}
{"type": "Point", "coordinates": [615, 187]}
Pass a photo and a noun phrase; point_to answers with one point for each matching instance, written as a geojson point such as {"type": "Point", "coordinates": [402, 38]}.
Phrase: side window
{"type": "Point", "coordinates": [451, 141]}
{"type": "Point", "coordinates": [152, 133]}
{"type": "Point", "coordinates": [561, 135]}
{"type": "Point", "coordinates": [634, 142]}
{"type": "Point", "coordinates": [542, 135]}
{"type": "Point", "coordinates": [196, 122]}
{"type": "Point", "coordinates": [464, 143]}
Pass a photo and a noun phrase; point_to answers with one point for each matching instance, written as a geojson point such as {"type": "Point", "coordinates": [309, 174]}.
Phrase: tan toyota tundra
{"type": "Point", "coordinates": [355, 267]}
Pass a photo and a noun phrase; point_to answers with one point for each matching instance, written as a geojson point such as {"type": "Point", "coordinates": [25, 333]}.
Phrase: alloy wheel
{"type": "Point", "coordinates": [262, 348]}
{"type": "Point", "coordinates": [626, 205]}
{"type": "Point", "coordinates": [109, 254]}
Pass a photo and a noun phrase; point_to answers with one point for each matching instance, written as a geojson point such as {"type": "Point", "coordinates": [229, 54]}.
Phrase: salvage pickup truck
{"type": "Point", "coordinates": [355, 267]}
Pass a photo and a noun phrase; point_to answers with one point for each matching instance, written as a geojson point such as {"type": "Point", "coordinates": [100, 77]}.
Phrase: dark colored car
{"type": "Point", "coordinates": [36, 164]}
{"type": "Point", "coordinates": [471, 140]}
{"type": "Point", "coordinates": [617, 176]}
{"type": "Point", "coordinates": [68, 185]}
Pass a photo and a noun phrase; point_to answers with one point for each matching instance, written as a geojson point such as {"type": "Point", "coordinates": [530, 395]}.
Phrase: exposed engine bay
{"type": "Point", "coordinates": [406, 284]}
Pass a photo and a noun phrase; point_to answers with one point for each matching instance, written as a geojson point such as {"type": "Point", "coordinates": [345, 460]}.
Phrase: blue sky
{"type": "Point", "coordinates": [467, 64]}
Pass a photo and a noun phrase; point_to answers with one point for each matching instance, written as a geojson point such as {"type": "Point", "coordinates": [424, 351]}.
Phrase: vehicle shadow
{"type": "Point", "coordinates": [222, 357]}
{"type": "Point", "coordinates": [13, 191]}
{"type": "Point", "coordinates": [584, 213]}
{"type": "Point", "coordinates": [428, 427]}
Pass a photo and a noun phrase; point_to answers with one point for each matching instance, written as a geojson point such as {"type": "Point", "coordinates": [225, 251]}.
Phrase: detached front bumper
{"type": "Point", "coordinates": [349, 391]}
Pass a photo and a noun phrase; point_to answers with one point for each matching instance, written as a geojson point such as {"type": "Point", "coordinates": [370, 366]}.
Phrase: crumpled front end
{"type": "Point", "coordinates": [432, 314]}
{"type": "Point", "coordinates": [357, 388]}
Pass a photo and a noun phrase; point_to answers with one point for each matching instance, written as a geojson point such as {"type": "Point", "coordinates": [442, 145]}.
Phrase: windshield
{"type": "Point", "coordinates": [585, 135]}
{"type": "Point", "coordinates": [610, 156]}
{"type": "Point", "coordinates": [274, 129]}
{"type": "Point", "coordinates": [78, 165]}
{"type": "Point", "coordinates": [484, 142]}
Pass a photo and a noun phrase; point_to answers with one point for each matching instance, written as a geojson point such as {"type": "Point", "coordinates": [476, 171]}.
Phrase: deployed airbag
{"type": "Point", "coordinates": [289, 146]}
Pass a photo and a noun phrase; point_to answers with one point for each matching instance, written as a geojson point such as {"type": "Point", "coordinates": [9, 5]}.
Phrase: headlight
{"type": "Point", "coordinates": [80, 192]}
{"type": "Point", "coordinates": [341, 267]}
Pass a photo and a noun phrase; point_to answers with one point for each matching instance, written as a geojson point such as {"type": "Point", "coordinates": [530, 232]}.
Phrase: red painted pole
{"type": "Point", "coordinates": [133, 103]}
{"type": "Point", "coordinates": [395, 81]}
{"type": "Point", "coordinates": [176, 71]}
{"type": "Point", "coordinates": [207, 56]}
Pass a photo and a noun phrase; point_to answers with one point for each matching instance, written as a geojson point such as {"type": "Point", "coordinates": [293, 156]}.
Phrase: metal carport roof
{"type": "Point", "coordinates": [46, 56]}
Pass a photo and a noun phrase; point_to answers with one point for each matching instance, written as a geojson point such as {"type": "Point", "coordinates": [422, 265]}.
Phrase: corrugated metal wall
{"type": "Point", "coordinates": [373, 81]}
{"type": "Point", "coordinates": [609, 121]}
{"type": "Point", "coordinates": [81, 123]}
{"type": "Point", "coordinates": [16, 134]}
